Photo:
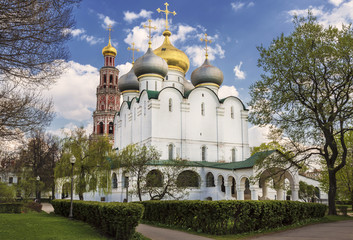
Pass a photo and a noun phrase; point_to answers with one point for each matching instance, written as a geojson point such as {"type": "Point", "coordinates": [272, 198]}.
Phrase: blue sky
{"type": "Point", "coordinates": [236, 28]}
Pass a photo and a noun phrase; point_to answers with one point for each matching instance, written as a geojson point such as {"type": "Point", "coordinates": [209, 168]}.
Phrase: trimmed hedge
{"type": "Point", "coordinates": [230, 217]}
{"type": "Point", "coordinates": [116, 219]}
{"type": "Point", "coordinates": [10, 207]}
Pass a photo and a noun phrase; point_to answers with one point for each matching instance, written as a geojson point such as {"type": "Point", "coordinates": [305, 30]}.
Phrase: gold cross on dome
{"type": "Point", "coordinates": [206, 40]}
{"type": "Point", "coordinates": [133, 49]}
{"type": "Point", "coordinates": [149, 31]}
{"type": "Point", "coordinates": [166, 11]}
{"type": "Point", "coordinates": [109, 29]}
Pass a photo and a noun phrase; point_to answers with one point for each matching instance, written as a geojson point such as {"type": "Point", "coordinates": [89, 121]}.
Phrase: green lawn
{"type": "Point", "coordinates": [38, 226]}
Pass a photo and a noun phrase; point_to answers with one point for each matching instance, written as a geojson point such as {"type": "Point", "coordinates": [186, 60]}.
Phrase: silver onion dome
{"type": "Point", "coordinates": [207, 74]}
{"type": "Point", "coordinates": [150, 63]}
{"type": "Point", "coordinates": [128, 81]}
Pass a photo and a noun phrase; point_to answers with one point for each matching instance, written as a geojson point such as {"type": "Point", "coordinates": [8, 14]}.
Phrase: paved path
{"type": "Point", "coordinates": [47, 207]}
{"type": "Point", "coordinates": [156, 233]}
{"type": "Point", "coordinates": [342, 230]}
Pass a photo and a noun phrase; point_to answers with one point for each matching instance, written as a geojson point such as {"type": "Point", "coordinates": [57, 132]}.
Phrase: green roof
{"type": "Point", "coordinates": [152, 94]}
{"type": "Point", "coordinates": [248, 163]}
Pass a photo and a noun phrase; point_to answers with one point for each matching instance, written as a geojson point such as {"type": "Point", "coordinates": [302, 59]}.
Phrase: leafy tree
{"type": "Point", "coordinates": [307, 192]}
{"type": "Point", "coordinates": [7, 193]}
{"type": "Point", "coordinates": [37, 158]}
{"type": "Point", "coordinates": [92, 166]}
{"type": "Point", "coordinates": [305, 93]}
{"type": "Point", "coordinates": [33, 50]}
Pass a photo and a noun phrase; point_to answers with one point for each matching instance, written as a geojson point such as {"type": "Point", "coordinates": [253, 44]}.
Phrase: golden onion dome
{"type": "Point", "coordinates": [109, 50]}
{"type": "Point", "coordinates": [175, 58]}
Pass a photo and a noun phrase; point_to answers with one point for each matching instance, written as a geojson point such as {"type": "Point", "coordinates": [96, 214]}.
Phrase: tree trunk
{"type": "Point", "coordinates": [139, 187]}
{"type": "Point", "coordinates": [332, 193]}
{"type": "Point", "coordinates": [52, 192]}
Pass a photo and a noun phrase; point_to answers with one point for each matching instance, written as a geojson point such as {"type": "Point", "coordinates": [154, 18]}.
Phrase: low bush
{"type": "Point", "coordinates": [10, 207]}
{"type": "Point", "coordinates": [116, 219]}
{"type": "Point", "coordinates": [343, 209]}
{"type": "Point", "coordinates": [33, 206]}
{"type": "Point", "coordinates": [230, 217]}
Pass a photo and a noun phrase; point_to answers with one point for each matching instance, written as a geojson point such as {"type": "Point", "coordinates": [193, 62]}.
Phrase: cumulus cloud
{"type": "Point", "coordinates": [258, 135]}
{"type": "Point", "coordinates": [107, 21]}
{"type": "Point", "coordinates": [64, 131]}
{"type": "Point", "coordinates": [74, 93]}
{"type": "Point", "coordinates": [237, 5]}
{"type": "Point", "coordinates": [226, 91]}
{"type": "Point", "coordinates": [341, 14]}
{"type": "Point", "coordinates": [239, 74]}
{"type": "Point", "coordinates": [197, 53]}
{"type": "Point", "coordinates": [131, 16]}
{"type": "Point", "coordinates": [124, 68]}
{"type": "Point", "coordinates": [80, 34]}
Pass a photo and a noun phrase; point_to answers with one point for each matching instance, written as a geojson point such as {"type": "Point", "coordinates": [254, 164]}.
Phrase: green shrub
{"type": "Point", "coordinates": [10, 207]}
{"type": "Point", "coordinates": [7, 193]}
{"type": "Point", "coordinates": [34, 206]}
{"type": "Point", "coordinates": [230, 217]}
{"type": "Point", "coordinates": [116, 219]}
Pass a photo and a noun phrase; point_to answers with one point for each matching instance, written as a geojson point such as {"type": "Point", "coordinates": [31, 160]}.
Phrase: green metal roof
{"type": "Point", "coordinates": [152, 94]}
{"type": "Point", "coordinates": [248, 163]}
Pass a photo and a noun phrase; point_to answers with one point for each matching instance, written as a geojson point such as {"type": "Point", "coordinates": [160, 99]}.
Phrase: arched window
{"type": "Point", "coordinates": [154, 179]}
{"type": "Point", "coordinates": [105, 78]}
{"type": "Point", "coordinates": [233, 155]}
{"type": "Point", "coordinates": [101, 128]}
{"type": "Point", "coordinates": [170, 104]}
{"type": "Point", "coordinates": [209, 180]}
{"type": "Point", "coordinates": [232, 112]}
{"type": "Point", "coordinates": [202, 109]}
{"type": "Point", "coordinates": [203, 153]}
{"type": "Point", "coordinates": [170, 151]}
{"type": "Point", "coordinates": [188, 178]}
{"type": "Point", "coordinates": [111, 128]}
{"type": "Point", "coordinates": [111, 79]}
{"type": "Point", "coordinates": [114, 181]}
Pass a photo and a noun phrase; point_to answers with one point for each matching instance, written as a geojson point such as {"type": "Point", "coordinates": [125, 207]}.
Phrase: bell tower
{"type": "Point", "coordinates": [108, 95]}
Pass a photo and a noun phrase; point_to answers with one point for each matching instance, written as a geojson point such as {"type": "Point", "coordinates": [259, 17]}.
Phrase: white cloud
{"type": "Point", "coordinates": [258, 135]}
{"type": "Point", "coordinates": [107, 21]}
{"type": "Point", "coordinates": [251, 4]}
{"type": "Point", "coordinates": [239, 74]}
{"type": "Point", "coordinates": [226, 91]}
{"type": "Point", "coordinates": [74, 93]}
{"type": "Point", "coordinates": [62, 132]}
{"type": "Point", "coordinates": [341, 14]}
{"type": "Point", "coordinates": [131, 16]}
{"type": "Point", "coordinates": [197, 53]}
{"type": "Point", "coordinates": [79, 33]}
{"type": "Point", "coordinates": [336, 2]}
{"type": "Point", "coordinates": [124, 68]}
{"type": "Point", "coordinates": [237, 5]}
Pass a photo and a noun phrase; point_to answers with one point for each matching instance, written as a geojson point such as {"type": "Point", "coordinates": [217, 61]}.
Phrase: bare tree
{"type": "Point", "coordinates": [33, 35]}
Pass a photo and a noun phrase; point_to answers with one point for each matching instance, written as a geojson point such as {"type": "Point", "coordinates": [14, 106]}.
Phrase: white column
{"type": "Point", "coordinates": [228, 190]}
{"type": "Point", "coordinates": [240, 193]}
{"type": "Point", "coordinates": [254, 193]}
{"type": "Point", "coordinates": [280, 194]}
{"type": "Point", "coordinates": [295, 193]}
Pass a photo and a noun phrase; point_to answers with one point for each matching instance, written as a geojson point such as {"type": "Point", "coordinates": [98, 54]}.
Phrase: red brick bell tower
{"type": "Point", "coordinates": [108, 95]}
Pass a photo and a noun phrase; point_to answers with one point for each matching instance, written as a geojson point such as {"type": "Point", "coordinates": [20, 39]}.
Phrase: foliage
{"type": "Point", "coordinates": [307, 192]}
{"type": "Point", "coordinates": [43, 226]}
{"type": "Point", "coordinates": [33, 206]}
{"type": "Point", "coordinates": [7, 193]}
{"type": "Point", "coordinates": [37, 158]}
{"type": "Point", "coordinates": [33, 47]}
{"type": "Point", "coordinates": [230, 217]}
{"type": "Point", "coordinates": [116, 219]}
{"type": "Point", "coordinates": [134, 158]}
{"type": "Point", "coordinates": [10, 207]}
{"type": "Point", "coordinates": [305, 93]}
{"type": "Point", "coordinates": [92, 166]}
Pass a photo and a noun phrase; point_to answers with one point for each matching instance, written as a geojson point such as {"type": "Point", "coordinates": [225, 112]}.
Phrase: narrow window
{"type": "Point", "coordinates": [125, 120]}
{"type": "Point", "coordinates": [166, 78]}
{"type": "Point", "coordinates": [146, 85]}
{"type": "Point", "coordinates": [111, 79]}
{"type": "Point", "coordinates": [101, 128]}
{"type": "Point", "coordinates": [173, 84]}
{"type": "Point", "coordinates": [170, 151]}
{"type": "Point", "coordinates": [155, 86]}
{"type": "Point", "coordinates": [114, 181]}
{"type": "Point", "coordinates": [203, 153]}
{"type": "Point", "coordinates": [202, 109]}
{"type": "Point", "coordinates": [232, 112]}
{"type": "Point", "coordinates": [170, 105]}
{"type": "Point", "coordinates": [134, 113]}
{"type": "Point", "coordinates": [111, 128]}
{"type": "Point", "coordinates": [233, 155]}
{"type": "Point", "coordinates": [105, 78]}
{"type": "Point", "coordinates": [144, 108]}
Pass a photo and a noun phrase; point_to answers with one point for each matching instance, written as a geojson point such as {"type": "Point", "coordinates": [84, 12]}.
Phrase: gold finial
{"type": "Point", "coordinates": [166, 11]}
{"type": "Point", "coordinates": [133, 49]}
{"type": "Point", "coordinates": [206, 40]}
{"type": "Point", "coordinates": [149, 30]}
{"type": "Point", "coordinates": [109, 29]}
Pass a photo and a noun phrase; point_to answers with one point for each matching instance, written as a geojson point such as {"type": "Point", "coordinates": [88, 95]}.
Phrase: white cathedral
{"type": "Point", "coordinates": [186, 120]}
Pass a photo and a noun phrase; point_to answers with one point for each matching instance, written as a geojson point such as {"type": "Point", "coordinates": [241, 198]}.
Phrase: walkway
{"type": "Point", "coordinates": [326, 231]}
{"type": "Point", "coordinates": [156, 233]}
{"type": "Point", "coordinates": [47, 207]}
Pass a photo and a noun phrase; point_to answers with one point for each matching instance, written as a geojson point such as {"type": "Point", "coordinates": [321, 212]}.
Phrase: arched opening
{"type": "Point", "coordinates": [188, 178]}
{"type": "Point", "coordinates": [154, 179]}
{"type": "Point", "coordinates": [114, 181]}
{"type": "Point", "coordinates": [170, 105]}
{"type": "Point", "coordinates": [247, 192]}
{"type": "Point", "coordinates": [101, 128]}
{"type": "Point", "coordinates": [170, 151]}
{"type": "Point", "coordinates": [111, 128]}
{"type": "Point", "coordinates": [221, 184]}
{"type": "Point", "coordinates": [209, 180]}
{"type": "Point", "coordinates": [66, 189]}
{"type": "Point", "coordinates": [104, 79]}
{"type": "Point", "coordinates": [111, 79]}
{"type": "Point", "coordinates": [203, 153]}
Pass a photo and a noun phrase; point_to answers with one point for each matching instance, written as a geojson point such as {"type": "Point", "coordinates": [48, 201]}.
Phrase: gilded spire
{"type": "Point", "coordinates": [149, 31]}
{"type": "Point", "coordinates": [133, 49]}
{"type": "Point", "coordinates": [166, 11]}
{"type": "Point", "coordinates": [109, 29]}
{"type": "Point", "coordinates": [109, 49]}
{"type": "Point", "coordinates": [206, 40]}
